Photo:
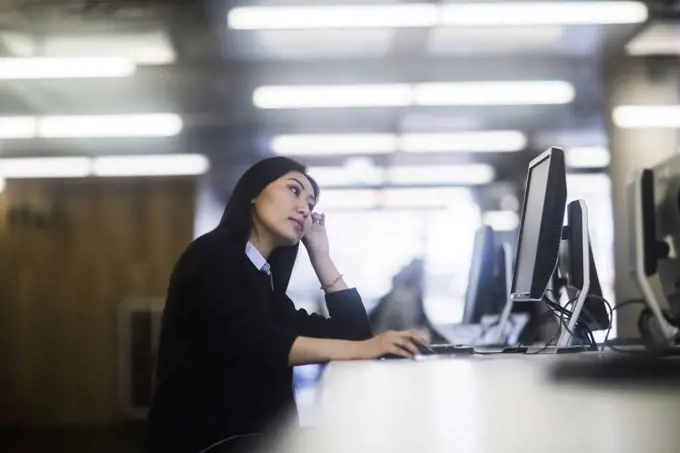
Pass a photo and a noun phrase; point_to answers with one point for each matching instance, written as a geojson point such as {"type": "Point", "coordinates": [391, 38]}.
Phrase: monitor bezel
{"type": "Point", "coordinates": [558, 188]}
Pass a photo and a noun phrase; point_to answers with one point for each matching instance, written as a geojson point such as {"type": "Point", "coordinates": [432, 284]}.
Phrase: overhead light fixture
{"type": "Point", "coordinates": [45, 167]}
{"type": "Point", "coordinates": [544, 13]}
{"type": "Point", "coordinates": [323, 96]}
{"type": "Point", "coordinates": [65, 68]}
{"type": "Point", "coordinates": [472, 174]}
{"type": "Point", "coordinates": [310, 17]}
{"type": "Point", "coordinates": [325, 144]}
{"type": "Point", "coordinates": [91, 126]}
{"type": "Point", "coordinates": [148, 47]}
{"type": "Point", "coordinates": [659, 38]}
{"type": "Point", "coordinates": [402, 95]}
{"type": "Point", "coordinates": [78, 167]}
{"type": "Point", "coordinates": [17, 127]}
{"type": "Point", "coordinates": [587, 157]}
{"type": "Point", "coordinates": [356, 171]}
{"type": "Point", "coordinates": [479, 141]}
{"type": "Point", "coordinates": [647, 116]}
{"type": "Point", "coordinates": [501, 220]}
{"type": "Point", "coordinates": [365, 144]}
{"type": "Point", "coordinates": [403, 175]}
{"type": "Point", "coordinates": [151, 165]}
{"type": "Point", "coordinates": [494, 93]}
{"type": "Point", "coordinates": [431, 197]}
{"type": "Point", "coordinates": [74, 126]}
{"type": "Point", "coordinates": [316, 44]}
{"type": "Point", "coordinates": [430, 15]}
{"type": "Point", "coordinates": [359, 199]}
{"type": "Point", "coordinates": [396, 198]}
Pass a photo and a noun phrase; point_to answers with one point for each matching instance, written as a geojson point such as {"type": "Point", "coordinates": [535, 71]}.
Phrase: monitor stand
{"type": "Point", "coordinates": [507, 309]}
{"type": "Point", "coordinates": [563, 343]}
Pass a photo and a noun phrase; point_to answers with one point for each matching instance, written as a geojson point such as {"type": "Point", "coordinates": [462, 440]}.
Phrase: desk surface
{"type": "Point", "coordinates": [484, 404]}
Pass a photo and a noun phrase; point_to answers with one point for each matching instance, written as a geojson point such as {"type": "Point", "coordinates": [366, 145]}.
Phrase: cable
{"type": "Point", "coordinates": [579, 326]}
{"type": "Point", "coordinates": [549, 342]}
{"type": "Point", "coordinates": [644, 315]}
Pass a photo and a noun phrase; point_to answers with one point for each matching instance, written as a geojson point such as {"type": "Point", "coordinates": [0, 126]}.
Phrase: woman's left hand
{"type": "Point", "coordinates": [316, 239]}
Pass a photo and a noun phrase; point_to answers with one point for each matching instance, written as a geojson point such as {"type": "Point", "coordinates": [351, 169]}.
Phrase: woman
{"type": "Point", "coordinates": [230, 335]}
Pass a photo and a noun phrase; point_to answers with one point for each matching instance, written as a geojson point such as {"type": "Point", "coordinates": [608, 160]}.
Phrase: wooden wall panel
{"type": "Point", "coordinates": [60, 287]}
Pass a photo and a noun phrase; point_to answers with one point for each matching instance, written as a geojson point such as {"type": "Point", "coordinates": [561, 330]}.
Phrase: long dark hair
{"type": "Point", "coordinates": [237, 217]}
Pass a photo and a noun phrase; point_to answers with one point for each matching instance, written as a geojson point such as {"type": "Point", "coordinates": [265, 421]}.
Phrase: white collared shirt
{"type": "Point", "coordinates": [257, 259]}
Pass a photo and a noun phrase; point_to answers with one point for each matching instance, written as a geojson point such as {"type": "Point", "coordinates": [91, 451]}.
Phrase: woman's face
{"type": "Point", "coordinates": [283, 209]}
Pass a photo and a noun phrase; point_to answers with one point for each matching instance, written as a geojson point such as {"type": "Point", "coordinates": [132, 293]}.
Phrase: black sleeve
{"type": "Point", "coordinates": [229, 323]}
{"type": "Point", "coordinates": [348, 319]}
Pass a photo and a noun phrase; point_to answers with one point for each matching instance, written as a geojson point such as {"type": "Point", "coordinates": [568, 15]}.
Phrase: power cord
{"type": "Point", "coordinates": [555, 335]}
{"type": "Point", "coordinates": [581, 329]}
{"type": "Point", "coordinates": [643, 318]}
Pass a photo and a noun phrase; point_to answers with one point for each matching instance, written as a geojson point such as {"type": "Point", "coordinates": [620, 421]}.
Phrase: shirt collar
{"type": "Point", "coordinates": [257, 259]}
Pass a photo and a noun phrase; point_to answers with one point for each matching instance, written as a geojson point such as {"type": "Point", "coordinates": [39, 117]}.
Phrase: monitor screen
{"type": "Point", "coordinates": [480, 298]}
{"type": "Point", "coordinates": [540, 231]}
{"type": "Point", "coordinates": [537, 184]}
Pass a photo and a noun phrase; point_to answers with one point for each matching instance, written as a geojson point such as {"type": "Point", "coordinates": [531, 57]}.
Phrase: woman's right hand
{"type": "Point", "coordinates": [403, 343]}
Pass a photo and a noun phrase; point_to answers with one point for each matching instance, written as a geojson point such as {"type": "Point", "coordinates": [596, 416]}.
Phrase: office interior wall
{"type": "Point", "coordinates": [635, 81]}
{"type": "Point", "coordinates": [70, 252]}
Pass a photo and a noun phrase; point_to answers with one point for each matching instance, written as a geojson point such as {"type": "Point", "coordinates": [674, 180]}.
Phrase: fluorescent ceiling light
{"type": "Point", "coordinates": [472, 174]}
{"type": "Point", "coordinates": [647, 116]}
{"type": "Point", "coordinates": [75, 167]}
{"type": "Point", "coordinates": [65, 68]}
{"type": "Point", "coordinates": [544, 13]}
{"type": "Point", "coordinates": [45, 167]}
{"type": "Point", "coordinates": [661, 38]}
{"type": "Point", "coordinates": [349, 175]}
{"type": "Point", "coordinates": [306, 17]}
{"type": "Point", "coordinates": [355, 172]}
{"type": "Point", "coordinates": [483, 141]}
{"type": "Point", "coordinates": [150, 125]}
{"type": "Point", "coordinates": [318, 43]}
{"type": "Point", "coordinates": [150, 47]}
{"type": "Point", "coordinates": [362, 199]}
{"type": "Point", "coordinates": [146, 165]}
{"type": "Point", "coordinates": [401, 95]}
{"type": "Point", "coordinates": [17, 127]}
{"type": "Point", "coordinates": [494, 93]}
{"type": "Point", "coordinates": [501, 220]}
{"type": "Point", "coordinates": [429, 15]}
{"type": "Point", "coordinates": [353, 144]}
{"type": "Point", "coordinates": [588, 157]}
{"type": "Point", "coordinates": [347, 199]}
{"type": "Point", "coordinates": [420, 197]}
{"type": "Point", "coordinates": [325, 144]}
{"type": "Point", "coordinates": [316, 96]}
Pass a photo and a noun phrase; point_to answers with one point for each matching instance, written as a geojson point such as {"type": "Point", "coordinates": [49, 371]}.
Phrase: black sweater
{"type": "Point", "coordinates": [225, 340]}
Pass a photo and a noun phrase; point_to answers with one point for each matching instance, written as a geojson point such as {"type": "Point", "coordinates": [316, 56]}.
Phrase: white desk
{"type": "Point", "coordinates": [484, 404]}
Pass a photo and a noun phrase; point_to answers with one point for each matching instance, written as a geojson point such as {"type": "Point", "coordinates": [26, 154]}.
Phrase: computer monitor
{"type": "Point", "coordinates": [646, 212]}
{"type": "Point", "coordinates": [666, 242]}
{"type": "Point", "coordinates": [481, 296]}
{"type": "Point", "coordinates": [540, 229]}
{"type": "Point", "coordinates": [572, 273]}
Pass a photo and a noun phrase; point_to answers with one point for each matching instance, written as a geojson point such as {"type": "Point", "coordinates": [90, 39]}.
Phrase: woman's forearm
{"type": "Point", "coordinates": [327, 273]}
{"type": "Point", "coordinates": [307, 350]}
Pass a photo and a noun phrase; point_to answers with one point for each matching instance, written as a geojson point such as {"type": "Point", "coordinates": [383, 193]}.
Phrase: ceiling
{"type": "Point", "coordinates": [190, 63]}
